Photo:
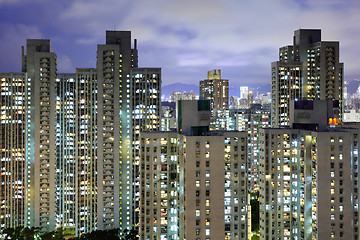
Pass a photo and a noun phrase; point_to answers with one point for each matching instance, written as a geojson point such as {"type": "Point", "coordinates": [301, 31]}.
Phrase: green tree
{"type": "Point", "coordinates": [58, 234]}
{"type": "Point", "coordinates": [255, 212]}
{"type": "Point", "coordinates": [130, 234]}
{"type": "Point", "coordinates": [100, 235]}
{"type": "Point", "coordinates": [21, 233]}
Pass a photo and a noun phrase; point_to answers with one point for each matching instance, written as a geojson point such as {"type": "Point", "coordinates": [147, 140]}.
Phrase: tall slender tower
{"type": "Point", "coordinates": [65, 158]}
{"type": "Point", "coordinates": [40, 65]}
{"type": "Point", "coordinates": [146, 104]}
{"type": "Point", "coordinates": [114, 61]}
{"type": "Point", "coordinates": [309, 69]}
{"type": "Point", "coordinates": [14, 163]}
{"type": "Point", "coordinates": [86, 150]}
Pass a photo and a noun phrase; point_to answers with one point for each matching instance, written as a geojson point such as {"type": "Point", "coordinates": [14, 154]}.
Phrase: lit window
{"type": "Point", "coordinates": [207, 202]}
{"type": "Point", "coordinates": [207, 232]}
{"type": "Point", "coordinates": [197, 212]}
{"type": "Point", "coordinates": [197, 183]}
{"type": "Point", "coordinates": [207, 222]}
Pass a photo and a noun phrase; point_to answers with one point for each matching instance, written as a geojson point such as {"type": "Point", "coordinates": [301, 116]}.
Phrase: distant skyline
{"type": "Point", "coordinates": [185, 38]}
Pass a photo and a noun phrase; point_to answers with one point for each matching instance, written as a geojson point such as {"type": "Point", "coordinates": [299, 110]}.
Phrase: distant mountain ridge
{"type": "Point", "coordinates": [234, 89]}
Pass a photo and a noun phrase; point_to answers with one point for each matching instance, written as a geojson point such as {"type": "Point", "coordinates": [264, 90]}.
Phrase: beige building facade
{"type": "Point", "coordinates": [193, 185]}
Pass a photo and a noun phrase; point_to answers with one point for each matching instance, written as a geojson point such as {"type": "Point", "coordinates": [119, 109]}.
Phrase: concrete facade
{"type": "Point", "coordinates": [309, 69]}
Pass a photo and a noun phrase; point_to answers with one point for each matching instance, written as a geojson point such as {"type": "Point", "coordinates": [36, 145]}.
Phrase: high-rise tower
{"type": "Point", "coordinates": [193, 183]}
{"type": "Point", "coordinates": [86, 150]}
{"type": "Point", "coordinates": [309, 176]}
{"type": "Point", "coordinates": [308, 69]}
{"type": "Point", "coordinates": [40, 65]}
{"type": "Point", "coordinates": [65, 159]}
{"type": "Point", "coordinates": [114, 62]}
{"type": "Point", "coordinates": [146, 104]}
{"type": "Point", "coordinates": [14, 164]}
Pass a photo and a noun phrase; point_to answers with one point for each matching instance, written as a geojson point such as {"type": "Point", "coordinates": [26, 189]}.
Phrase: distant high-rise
{"type": "Point", "coordinates": [309, 69]}
{"type": "Point", "coordinates": [215, 89]}
{"type": "Point", "coordinates": [244, 91]}
{"type": "Point", "coordinates": [175, 96]}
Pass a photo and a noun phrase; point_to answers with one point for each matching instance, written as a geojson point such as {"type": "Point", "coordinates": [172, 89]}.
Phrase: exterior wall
{"type": "Point", "coordinates": [161, 191]}
{"type": "Point", "coordinates": [217, 210]}
{"type": "Point", "coordinates": [191, 114]}
{"type": "Point", "coordinates": [86, 151]}
{"type": "Point", "coordinates": [175, 167]}
{"type": "Point", "coordinates": [250, 121]}
{"type": "Point", "coordinates": [324, 72]}
{"type": "Point", "coordinates": [168, 118]}
{"type": "Point", "coordinates": [14, 163]}
{"type": "Point", "coordinates": [332, 168]}
{"type": "Point", "coordinates": [286, 85]}
{"type": "Point", "coordinates": [146, 106]}
{"type": "Point", "coordinates": [309, 184]}
{"type": "Point", "coordinates": [282, 185]}
{"type": "Point", "coordinates": [216, 90]}
{"type": "Point", "coordinates": [40, 65]}
{"type": "Point", "coordinates": [115, 195]}
{"type": "Point", "coordinates": [65, 152]}
{"type": "Point", "coordinates": [313, 72]}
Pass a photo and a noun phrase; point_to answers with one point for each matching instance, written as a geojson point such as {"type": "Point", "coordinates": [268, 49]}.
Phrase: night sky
{"type": "Point", "coordinates": [186, 38]}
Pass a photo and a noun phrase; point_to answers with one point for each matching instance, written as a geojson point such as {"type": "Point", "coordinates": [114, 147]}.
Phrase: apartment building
{"type": "Point", "coordinates": [215, 89]}
{"type": "Point", "coordinates": [14, 164]}
{"type": "Point", "coordinates": [309, 176]}
{"type": "Point", "coordinates": [193, 183]}
{"type": "Point", "coordinates": [308, 69]}
{"type": "Point", "coordinates": [146, 107]}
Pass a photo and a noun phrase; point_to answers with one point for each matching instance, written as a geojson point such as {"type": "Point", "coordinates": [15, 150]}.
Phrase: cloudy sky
{"type": "Point", "coordinates": [186, 38]}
